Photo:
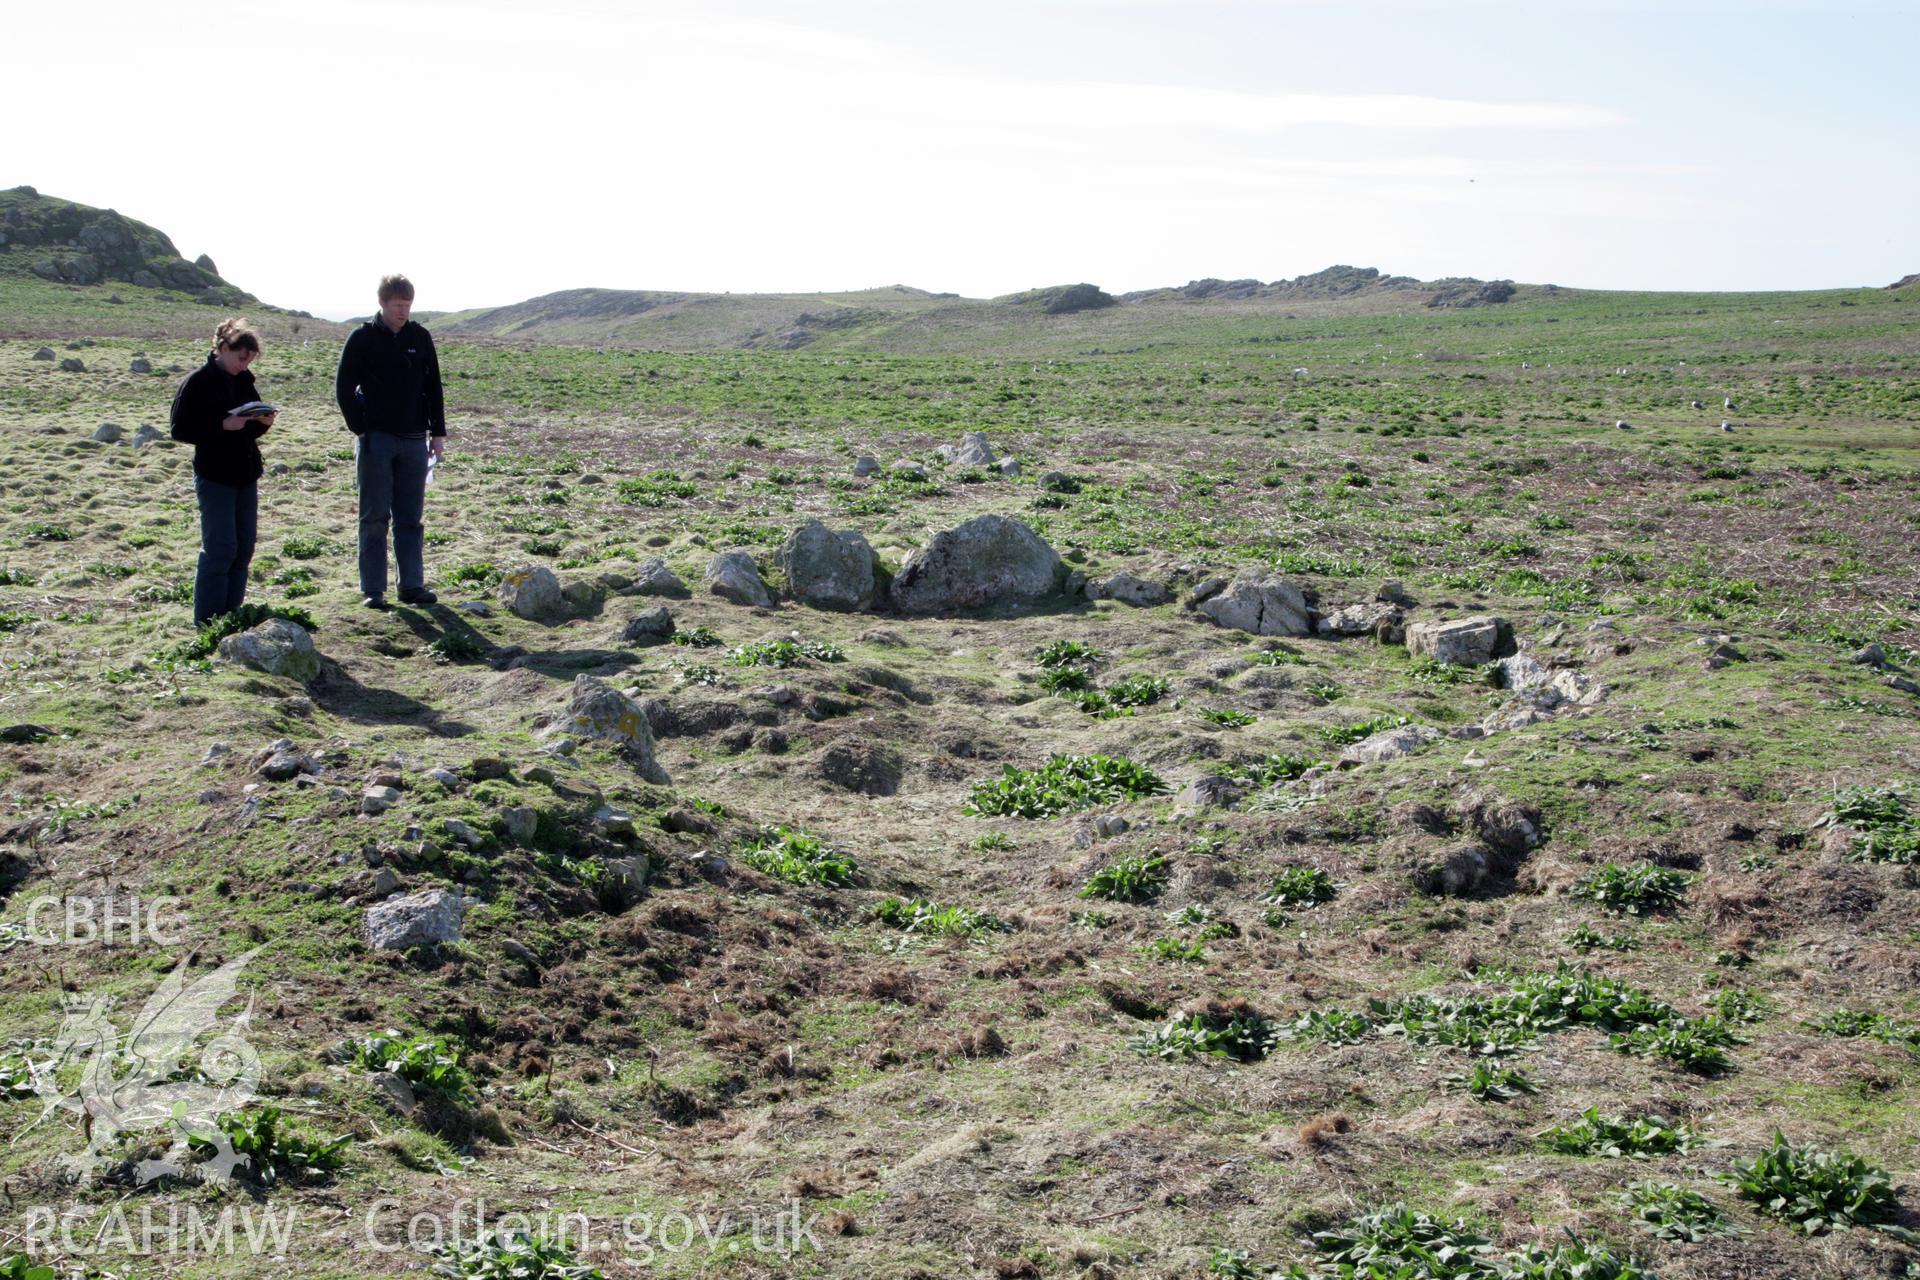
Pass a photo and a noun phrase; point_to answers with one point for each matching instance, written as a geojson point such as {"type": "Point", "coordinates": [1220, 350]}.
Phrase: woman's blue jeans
{"type": "Point", "coordinates": [229, 520]}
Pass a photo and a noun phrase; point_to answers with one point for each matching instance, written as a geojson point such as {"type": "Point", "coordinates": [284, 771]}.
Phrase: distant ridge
{"type": "Point", "coordinates": [1334, 282]}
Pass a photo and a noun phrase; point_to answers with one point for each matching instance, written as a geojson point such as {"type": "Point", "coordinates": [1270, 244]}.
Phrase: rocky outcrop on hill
{"type": "Point", "coordinates": [72, 243]}
{"type": "Point", "coordinates": [1063, 299]}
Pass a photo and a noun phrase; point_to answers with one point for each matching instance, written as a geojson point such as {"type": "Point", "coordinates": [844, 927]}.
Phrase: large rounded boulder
{"type": "Point", "coordinates": [989, 560]}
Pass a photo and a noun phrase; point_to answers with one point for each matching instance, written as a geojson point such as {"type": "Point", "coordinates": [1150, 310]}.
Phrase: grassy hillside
{"type": "Point", "coordinates": [1005, 1072]}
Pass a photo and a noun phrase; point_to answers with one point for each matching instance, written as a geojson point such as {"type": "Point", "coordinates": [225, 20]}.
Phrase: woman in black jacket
{"type": "Point", "coordinates": [226, 465]}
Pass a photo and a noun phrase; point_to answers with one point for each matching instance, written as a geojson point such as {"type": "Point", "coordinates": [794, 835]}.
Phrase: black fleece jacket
{"type": "Point", "coordinates": [204, 399]}
{"type": "Point", "coordinates": [390, 381]}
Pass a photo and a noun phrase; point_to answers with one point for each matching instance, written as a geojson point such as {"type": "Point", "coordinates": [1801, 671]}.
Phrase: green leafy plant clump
{"type": "Point", "coordinates": [1637, 890]}
{"type": "Point", "coordinates": [1128, 880]}
{"type": "Point", "coordinates": [784, 653]}
{"type": "Point", "coordinates": [1068, 653]}
{"type": "Point", "coordinates": [1854, 1024]}
{"type": "Point", "coordinates": [1398, 1241]}
{"type": "Point", "coordinates": [271, 1149]}
{"type": "Point", "coordinates": [1237, 1033]}
{"type": "Point", "coordinates": [917, 915]}
{"type": "Point", "coordinates": [1614, 1137]}
{"type": "Point", "coordinates": [1885, 826]}
{"type": "Point", "coordinates": [1667, 1211]}
{"type": "Point", "coordinates": [1062, 785]}
{"type": "Point", "coordinates": [1813, 1190]}
{"type": "Point", "coordinates": [431, 1063]}
{"type": "Point", "coordinates": [513, 1257]}
{"type": "Point", "coordinates": [798, 857]}
{"type": "Point", "coordinates": [1489, 1081]}
{"type": "Point", "coordinates": [1299, 887]}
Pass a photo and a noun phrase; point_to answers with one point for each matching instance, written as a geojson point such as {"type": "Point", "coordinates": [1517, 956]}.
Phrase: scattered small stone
{"type": "Point", "coordinates": [477, 608]}
{"type": "Point", "coordinates": [44, 353]}
{"type": "Point", "coordinates": [1724, 655]}
{"type": "Point", "coordinates": [465, 834]}
{"type": "Point", "coordinates": [1873, 655]}
{"type": "Point", "coordinates": [392, 1089]}
{"type": "Point", "coordinates": [444, 776]}
{"type": "Point", "coordinates": [73, 364]}
{"type": "Point", "coordinates": [865, 465]}
{"type": "Point", "coordinates": [521, 822]}
{"type": "Point", "coordinates": [108, 433]}
{"type": "Point", "coordinates": [377, 800]}
{"type": "Point", "coordinates": [486, 768]}
{"type": "Point", "coordinates": [140, 364]}
{"type": "Point", "coordinates": [613, 821]}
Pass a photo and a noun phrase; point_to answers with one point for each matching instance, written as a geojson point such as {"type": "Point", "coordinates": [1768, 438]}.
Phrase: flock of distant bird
{"type": "Point", "coordinates": [1725, 425]}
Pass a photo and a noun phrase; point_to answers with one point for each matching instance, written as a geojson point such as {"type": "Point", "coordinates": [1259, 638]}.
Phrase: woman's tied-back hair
{"type": "Point", "coordinates": [236, 335]}
{"type": "Point", "coordinates": [395, 286]}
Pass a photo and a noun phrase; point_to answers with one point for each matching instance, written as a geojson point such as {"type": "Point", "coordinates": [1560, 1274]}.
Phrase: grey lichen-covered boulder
{"type": "Point", "coordinates": [974, 451]}
{"type": "Point", "coordinates": [1263, 606]}
{"type": "Point", "coordinates": [427, 918]}
{"type": "Point", "coordinates": [1463, 642]}
{"type": "Point", "coordinates": [140, 364]}
{"type": "Point", "coordinates": [277, 646]}
{"type": "Point", "coordinates": [653, 578]}
{"type": "Point", "coordinates": [1388, 744]}
{"type": "Point", "coordinates": [108, 433]}
{"type": "Point", "coordinates": [598, 710]}
{"type": "Point", "coordinates": [989, 560]}
{"type": "Point", "coordinates": [73, 364]}
{"type": "Point", "coordinates": [829, 570]}
{"type": "Point", "coordinates": [732, 575]}
{"type": "Point", "coordinates": [1458, 872]}
{"type": "Point", "coordinates": [147, 434]}
{"type": "Point", "coordinates": [1128, 589]}
{"type": "Point", "coordinates": [44, 353]}
{"type": "Point", "coordinates": [865, 465]}
{"type": "Point", "coordinates": [649, 626]}
{"type": "Point", "coordinates": [532, 592]}
{"type": "Point", "coordinates": [1356, 620]}
{"type": "Point", "coordinates": [1549, 688]}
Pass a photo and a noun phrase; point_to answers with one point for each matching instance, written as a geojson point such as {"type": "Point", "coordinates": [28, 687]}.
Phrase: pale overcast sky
{"type": "Point", "coordinates": [495, 150]}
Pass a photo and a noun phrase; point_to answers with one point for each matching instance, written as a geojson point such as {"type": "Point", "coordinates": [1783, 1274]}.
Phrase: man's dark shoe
{"type": "Point", "coordinates": [375, 601]}
{"type": "Point", "coordinates": [420, 595]}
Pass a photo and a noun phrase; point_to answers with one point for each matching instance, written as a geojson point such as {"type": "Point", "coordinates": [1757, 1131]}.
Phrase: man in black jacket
{"type": "Point", "coordinates": [388, 386]}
